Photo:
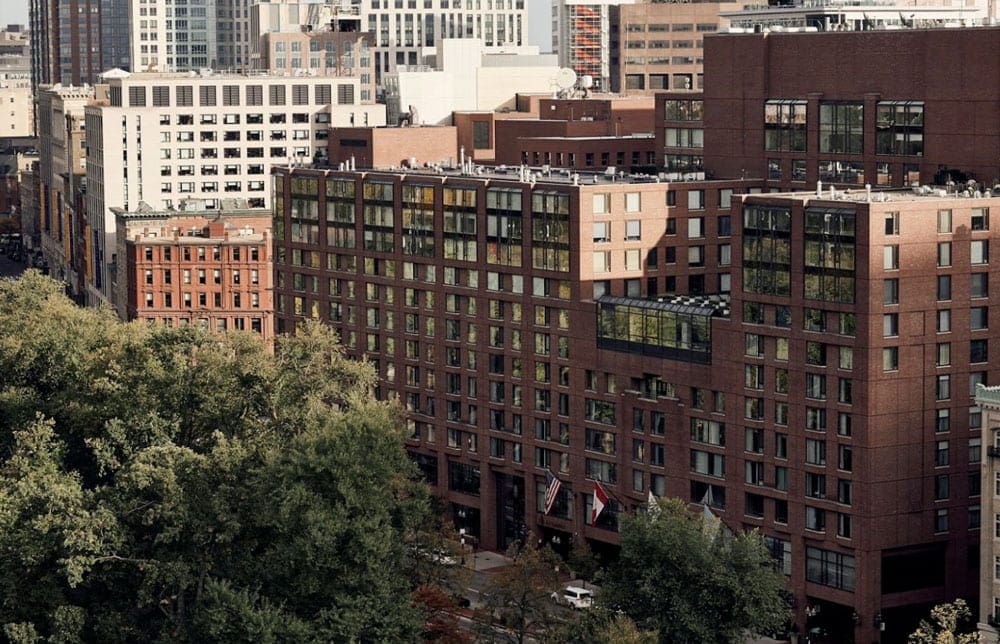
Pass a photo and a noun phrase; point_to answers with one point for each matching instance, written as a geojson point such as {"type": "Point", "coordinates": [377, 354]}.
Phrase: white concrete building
{"type": "Point", "coordinates": [405, 30]}
{"type": "Point", "coordinates": [164, 138]}
{"type": "Point", "coordinates": [467, 76]}
{"type": "Point", "coordinates": [16, 106]}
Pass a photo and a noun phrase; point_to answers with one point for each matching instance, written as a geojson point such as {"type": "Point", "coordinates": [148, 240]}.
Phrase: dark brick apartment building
{"type": "Point", "coordinates": [808, 359]}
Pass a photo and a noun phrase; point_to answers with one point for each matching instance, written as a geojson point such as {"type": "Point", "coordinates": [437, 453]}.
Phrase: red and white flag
{"type": "Point", "coordinates": [600, 500]}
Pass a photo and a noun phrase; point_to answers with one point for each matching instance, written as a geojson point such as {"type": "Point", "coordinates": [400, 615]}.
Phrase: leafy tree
{"type": "Point", "coordinates": [947, 622]}
{"type": "Point", "coordinates": [170, 485]}
{"type": "Point", "coordinates": [687, 586]}
{"type": "Point", "coordinates": [517, 599]}
{"type": "Point", "coordinates": [582, 561]}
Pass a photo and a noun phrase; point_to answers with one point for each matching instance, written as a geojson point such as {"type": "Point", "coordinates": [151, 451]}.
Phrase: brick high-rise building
{"type": "Point", "coordinates": [805, 361]}
{"type": "Point", "coordinates": [882, 107]}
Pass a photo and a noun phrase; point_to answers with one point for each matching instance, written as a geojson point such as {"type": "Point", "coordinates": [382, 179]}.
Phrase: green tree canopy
{"type": "Point", "coordinates": [687, 584]}
{"type": "Point", "coordinates": [173, 485]}
{"type": "Point", "coordinates": [950, 624]}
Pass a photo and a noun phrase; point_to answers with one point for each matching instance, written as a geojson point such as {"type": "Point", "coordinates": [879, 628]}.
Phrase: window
{"type": "Point", "coordinates": [944, 321]}
{"type": "Point", "coordinates": [942, 387]}
{"type": "Point", "coordinates": [815, 386]}
{"type": "Point", "coordinates": [941, 487]}
{"type": "Point", "coordinates": [899, 128]}
{"type": "Point", "coordinates": [979, 251]}
{"type": "Point", "coordinates": [979, 285]}
{"type": "Point", "coordinates": [944, 254]}
{"type": "Point", "coordinates": [815, 519]}
{"type": "Point", "coordinates": [941, 454]}
{"type": "Point", "coordinates": [980, 219]}
{"type": "Point", "coordinates": [944, 221]}
{"type": "Point", "coordinates": [830, 568]}
{"type": "Point", "coordinates": [696, 199]}
{"type": "Point", "coordinates": [890, 257]}
{"type": "Point", "coordinates": [815, 452]}
{"type": "Point", "coordinates": [892, 223]}
{"type": "Point", "coordinates": [943, 288]}
{"type": "Point", "coordinates": [707, 463]}
{"type": "Point", "coordinates": [890, 325]}
{"type": "Point", "coordinates": [890, 291]}
{"type": "Point", "coordinates": [696, 227]}
{"type": "Point", "coordinates": [979, 318]}
{"type": "Point", "coordinates": [978, 351]}
{"type": "Point", "coordinates": [815, 485]}
{"type": "Point", "coordinates": [941, 520]}
{"type": "Point", "coordinates": [841, 128]}
{"type": "Point", "coordinates": [890, 358]}
{"type": "Point", "coordinates": [785, 126]}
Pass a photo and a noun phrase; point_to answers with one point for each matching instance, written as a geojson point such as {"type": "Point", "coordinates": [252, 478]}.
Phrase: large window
{"type": "Point", "coordinates": [682, 110]}
{"type": "Point", "coordinates": [899, 128]}
{"type": "Point", "coordinates": [785, 126]}
{"type": "Point", "coordinates": [550, 231]}
{"type": "Point", "coordinates": [830, 568]}
{"type": "Point", "coordinates": [767, 250]}
{"type": "Point", "coordinates": [829, 255]}
{"type": "Point", "coordinates": [841, 128]}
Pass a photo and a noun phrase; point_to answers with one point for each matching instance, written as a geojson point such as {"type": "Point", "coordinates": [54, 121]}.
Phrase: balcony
{"type": "Point", "coordinates": [993, 451]}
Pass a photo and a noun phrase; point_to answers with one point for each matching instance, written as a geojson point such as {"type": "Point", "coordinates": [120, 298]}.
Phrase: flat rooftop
{"type": "Point", "coordinates": [915, 194]}
{"type": "Point", "coordinates": [538, 174]}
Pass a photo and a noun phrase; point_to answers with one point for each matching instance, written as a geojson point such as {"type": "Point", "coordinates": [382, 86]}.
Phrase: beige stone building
{"type": "Point", "coordinates": [988, 400]}
{"type": "Point", "coordinates": [661, 44]}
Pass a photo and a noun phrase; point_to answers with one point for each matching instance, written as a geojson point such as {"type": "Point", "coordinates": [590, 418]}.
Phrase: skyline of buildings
{"type": "Point", "coordinates": [704, 290]}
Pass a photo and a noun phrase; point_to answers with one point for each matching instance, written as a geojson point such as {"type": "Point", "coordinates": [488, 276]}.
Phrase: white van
{"type": "Point", "coordinates": [576, 597]}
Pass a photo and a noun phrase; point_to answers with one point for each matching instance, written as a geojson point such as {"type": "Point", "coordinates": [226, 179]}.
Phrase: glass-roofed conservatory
{"type": "Point", "coordinates": [678, 328]}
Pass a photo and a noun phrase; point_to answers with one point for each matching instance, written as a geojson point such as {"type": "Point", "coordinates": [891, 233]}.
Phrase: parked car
{"type": "Point", "coordinates": [575, 597]}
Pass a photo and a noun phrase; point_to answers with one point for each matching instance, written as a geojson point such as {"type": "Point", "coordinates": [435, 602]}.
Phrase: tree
{"type": "Point", "coordinates": [518, 598]}
{"type": "Point", "coordinates": [686, 585]}
{"type": "Point", "coordinates": [947, 622]}
{"type": "Point", "coordinates": [582, 561]}
{"type": "Point", "coordinates": [174, 485]}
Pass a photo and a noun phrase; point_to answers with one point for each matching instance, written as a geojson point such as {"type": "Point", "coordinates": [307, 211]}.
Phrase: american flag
{"type": "Point", "coordinates": [552, 485]}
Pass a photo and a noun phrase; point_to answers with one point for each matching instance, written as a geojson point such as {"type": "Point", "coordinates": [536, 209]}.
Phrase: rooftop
{"type": "Point", "coordinates": [907, 195]}
{"type": "Point", "coordinates": [528, 174]}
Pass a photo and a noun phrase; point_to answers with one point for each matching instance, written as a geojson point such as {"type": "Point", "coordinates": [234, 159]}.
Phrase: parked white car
{"type": "Point", "coordinates": [575, 597]}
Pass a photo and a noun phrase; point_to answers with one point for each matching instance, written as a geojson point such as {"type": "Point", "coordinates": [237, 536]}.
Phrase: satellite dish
{"type": "Point", "coordinates": [587, 81]}
{"type": "Point", "coordinates": [565, 78]}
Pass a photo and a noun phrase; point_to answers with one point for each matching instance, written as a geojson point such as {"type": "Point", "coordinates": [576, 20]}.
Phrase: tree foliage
{"type": "Point", "coordinates": [946, 626]}
{"type": "Point", "coordinates": [518, 602]}
{"type": "Point", "coordinates": [172, 485]}
{"type": "Point", "coordinates": [686, 585]}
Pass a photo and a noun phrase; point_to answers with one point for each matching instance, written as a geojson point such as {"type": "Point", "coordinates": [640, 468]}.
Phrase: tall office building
{"type": "Point", "coordinates": [73, 41]}
{"type": "Point", "coordinates": [169, 36]}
